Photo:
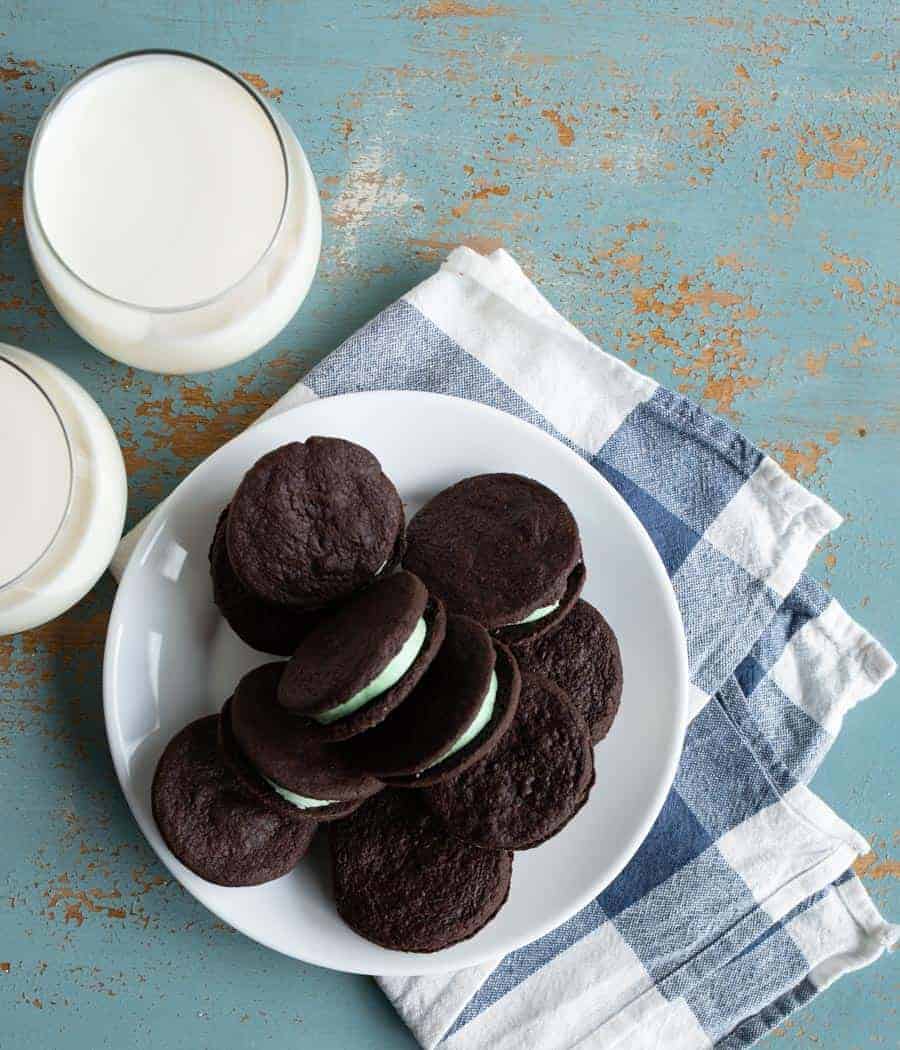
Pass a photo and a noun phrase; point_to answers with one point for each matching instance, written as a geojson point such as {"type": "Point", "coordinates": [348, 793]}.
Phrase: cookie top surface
{"type": "Point", "coordinates": [496, 547]}
{"type": "Point", "coordinates": [211, 823]}
{"type": "Point", "coordinates": [365, 658]}
{"type": "Point", "coordinates": [402, 882]}
{"type": "Point", "coordinates": [531, 784]}
{"type": "Point", "coordinates": [268, 628]}
{"type": "Point", "coordinates": [582, 657]}
{"type": "Point", "coordinates": [277, 745]}
{"type": "Point", "coordinates": [463, 704]}
{"type": "Point", "coordinates": [313, 521]}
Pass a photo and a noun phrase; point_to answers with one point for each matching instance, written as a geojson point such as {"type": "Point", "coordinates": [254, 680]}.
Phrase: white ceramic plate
{"type": "Point", "coordinates": [170, 658]}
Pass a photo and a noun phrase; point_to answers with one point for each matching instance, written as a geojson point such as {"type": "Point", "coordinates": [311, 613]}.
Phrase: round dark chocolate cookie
{"type": "Point", "coordinates": [531, 784]}
{"type": "Point", "coordinates": [266, 746]}
{"type": "Point", "coordinates": [519, 633]}
{"type": "Point", "coordinates": [497, 547]}
{"type": "Point", "coordinates": [402, 882]}
{"type": "Point", "coordinates": [352, 646]}
{"type": "Point", "coordinates": [582, 657]}
{"type": "Point", "coordinates": [313, 521]}
{"type": "Point", "coordinates": [405, 749]}
{"type": "Point", "coordinates": [212, 824]}
{"type": "Point", "coordinates": [269, 628]}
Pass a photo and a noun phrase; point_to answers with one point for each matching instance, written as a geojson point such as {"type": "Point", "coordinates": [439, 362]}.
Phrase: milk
{"type": "Point", "coordinates": [35, 471]}
{"type": "Point", "coordinates": [171, 214]}
{"type": "Point", "coordinates": [63, 488]}
{"type": "Point", "coordinates": [160, 181]}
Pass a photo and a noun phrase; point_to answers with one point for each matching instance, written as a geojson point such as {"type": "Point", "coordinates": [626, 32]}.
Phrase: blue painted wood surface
{"type": "Point", "coordinates": [705, 189]}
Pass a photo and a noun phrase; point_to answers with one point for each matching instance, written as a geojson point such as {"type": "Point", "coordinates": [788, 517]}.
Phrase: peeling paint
{"type": "Point", "coordinates": [800, 460]}
{"type": "Point", "coordinates": [564, 133]}
{"type": "Point", "coordinates": [731, 261]}
{"type": "Point", "coordinates": [435, 249]}
{"type": "Point", "coordinates": [490, 191]}
{"type": "Point", "coordinates": [439, 9]}
{"type": "Point", "coordinates": [191, 423]}
{"type": "Point", "coordinates": [872, 867]}
{"type": "Point", "coordinates": [274, 94]}
{"type": "Point", "coordinates": [366, 189]}
{"type": "Point", "coordinates": [76, 902]}
{"type": "Point", "coordinates": [10, 209]}
{"type": "Point", "coordinates": [18, 69]}
{"type": "Point", "coordinates": [815, 363]}
{"type": "Point", "coordinates": [645, 299]}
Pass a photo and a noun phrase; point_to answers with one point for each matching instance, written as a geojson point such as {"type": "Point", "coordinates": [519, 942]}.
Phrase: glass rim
{"type": "Point", "coordinates": [55, 103]}
{"type": "Point", "coordinates": [4, 584]}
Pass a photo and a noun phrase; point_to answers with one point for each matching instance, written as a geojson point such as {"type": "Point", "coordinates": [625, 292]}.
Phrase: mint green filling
{"type": "Point", "coordinates": [387, 678]}
{"type": "Point", "coordinates": [300, 801]}
{"type": "Point", "coordinates": [538, 614]}
{"type": "Point", "coordinates": [485, 713]}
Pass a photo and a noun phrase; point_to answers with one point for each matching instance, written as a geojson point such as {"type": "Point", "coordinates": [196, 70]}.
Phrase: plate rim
{"type": "Point", "coordinates": [407, 964]}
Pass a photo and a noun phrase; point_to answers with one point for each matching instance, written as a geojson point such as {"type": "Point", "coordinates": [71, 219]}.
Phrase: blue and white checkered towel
{"type": "Point", "coordinates": [741, 905]}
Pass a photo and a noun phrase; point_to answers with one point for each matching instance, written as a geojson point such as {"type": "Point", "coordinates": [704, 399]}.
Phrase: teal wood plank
{"type": "Point", "coordinates": [705, 189]}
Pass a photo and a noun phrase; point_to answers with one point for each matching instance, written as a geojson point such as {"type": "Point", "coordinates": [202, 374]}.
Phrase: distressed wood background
{"type": "Point", "coordinates": [706, 189]}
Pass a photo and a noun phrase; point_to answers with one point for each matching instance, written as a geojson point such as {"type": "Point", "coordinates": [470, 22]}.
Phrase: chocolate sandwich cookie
{"type": "Point", "coordinates": [269, 628]}
{"type": "Point", "coordinates": [272, 754]}
{"type": "Point", "coordinates": [502, 549]}
{"type": "Point", "coordinates": [365, 658]}
{"type": "Point", "coordinates": [313, 521]}
{"type": "Point", "coordinates": [582, 657]}
{"type": "Point", "coordinates": [402, 882]}
{"type": "Point", "coordinates": [212, 824]}
{"type": "Point", "coordinates": [464, 703]}
{"type": "Point", "coordinates": [531, 784]}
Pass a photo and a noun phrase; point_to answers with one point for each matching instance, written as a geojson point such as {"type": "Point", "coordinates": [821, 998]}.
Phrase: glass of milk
{"type": "Point", "coordinates": [64, 491]}
{"type": "Point", "coordinates": [171, 214]}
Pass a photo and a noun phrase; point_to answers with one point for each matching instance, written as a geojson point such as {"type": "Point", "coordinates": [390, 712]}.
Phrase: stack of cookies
{"type": "Point", "coordinates": [443, 689]}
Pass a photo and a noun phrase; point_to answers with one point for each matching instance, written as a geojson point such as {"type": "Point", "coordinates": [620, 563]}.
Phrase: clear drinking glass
{"type": "Point", "coordinates": [85, 507]}
{"type": "Point", "coordinates": [202, 335]}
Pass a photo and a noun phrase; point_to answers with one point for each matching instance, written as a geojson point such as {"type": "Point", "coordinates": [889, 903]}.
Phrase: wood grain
{"type": "Point", "coordinates": [706, 190]}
